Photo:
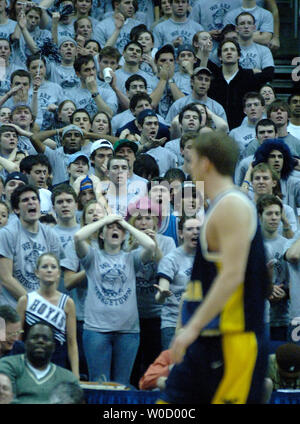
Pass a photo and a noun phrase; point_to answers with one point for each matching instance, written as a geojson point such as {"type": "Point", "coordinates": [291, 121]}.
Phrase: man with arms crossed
{"type": "Point", "coordinates": [222, 329]}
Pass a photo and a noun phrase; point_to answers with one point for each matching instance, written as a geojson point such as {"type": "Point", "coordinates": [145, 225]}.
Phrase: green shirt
{"type": "Point", "coordinates": [26, 387]}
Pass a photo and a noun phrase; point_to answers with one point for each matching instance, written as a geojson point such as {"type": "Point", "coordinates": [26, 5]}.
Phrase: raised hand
{"type": "Point", "coordinates": [91, 84]}
{"type": "Point", "coordinates": [177, 41]}
{"type": "Point", "coordinates": [119, 20]}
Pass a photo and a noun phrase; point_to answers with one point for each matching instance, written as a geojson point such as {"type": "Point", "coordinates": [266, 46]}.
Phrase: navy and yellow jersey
{"type": "Point", "coordinates": [244, 310]}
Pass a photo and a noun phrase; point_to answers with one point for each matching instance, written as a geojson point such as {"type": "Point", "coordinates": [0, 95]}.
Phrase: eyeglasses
{"type": "Point", "coordinates": [14, 333]}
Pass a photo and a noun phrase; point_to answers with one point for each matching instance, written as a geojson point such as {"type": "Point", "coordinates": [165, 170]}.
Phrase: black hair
{"type": "Point", "coordinates": [167, 48]}
{"type": "Point", "coordinates": [136, 98]}
{"type": "Point", "coordinates": [63, 188]}
{"type": "Point", "coordinates": [229, 40]}
{"type": "Point", "coordinates": [263, 152]}
{"type": "Point", "coordinates": [20, 73]}
{"type": "Point", "coordinates": [192, 108]}
{"type": "Point", "coordinates": [80, 111]}
{"type": "Point", "coordinates": [134, 77]}
{"type": "Point", "coordinates": [33, 57]}
{"type": "Point", "coordinates": [174, 174]}
{"type": "Point", "coordinates": [28, 162]}
{"type": "Point", "coordinates": [265, 122]}
{"type": "Point", "coordinates": [145, 165]}
{"type": "Point", "coordinates": [15, 196]}
{"type": "Point", "coordinates": [82, 60]}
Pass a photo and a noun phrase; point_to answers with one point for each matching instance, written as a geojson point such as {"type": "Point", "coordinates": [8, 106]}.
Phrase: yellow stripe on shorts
{"type": "Point", "coordinates": [240, 354]}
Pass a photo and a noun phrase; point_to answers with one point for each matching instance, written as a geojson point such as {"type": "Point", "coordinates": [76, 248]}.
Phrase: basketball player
{"type": "Point", "coordinates": [220, 351]}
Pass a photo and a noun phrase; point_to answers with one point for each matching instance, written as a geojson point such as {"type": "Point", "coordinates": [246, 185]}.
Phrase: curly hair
{"type": "Point", "coordinates": [263, 152]}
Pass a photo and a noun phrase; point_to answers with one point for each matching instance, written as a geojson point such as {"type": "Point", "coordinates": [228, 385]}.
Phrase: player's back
{"type": "Point", "coordinates": [244, 310]}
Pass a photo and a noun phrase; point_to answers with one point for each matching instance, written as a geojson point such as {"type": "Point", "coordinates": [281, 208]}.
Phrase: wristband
{"type": "Point", "coordinates": [94, 95]}
{"type": "Point", "coordinates": [247, 182]}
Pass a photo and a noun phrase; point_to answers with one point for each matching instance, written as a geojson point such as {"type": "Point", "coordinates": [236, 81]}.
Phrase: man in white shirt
{"type": "Point", "coordinates": [294, 122]}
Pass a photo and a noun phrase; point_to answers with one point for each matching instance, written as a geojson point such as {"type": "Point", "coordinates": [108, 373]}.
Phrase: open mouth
{"type": "Point", "coordinates": [32, 210]}
{"type": "Point", "coordinates": [115, 236]}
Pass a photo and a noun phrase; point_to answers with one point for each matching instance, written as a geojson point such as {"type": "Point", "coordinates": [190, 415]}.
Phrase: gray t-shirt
{"type": "Point", "coordinates": [65, 31]}
{"type": "Point", "coordinates": [290, 140]}
{"type": "Point", "coordinates": [177, 106]}
{"type": "Point", "coordinates": [24, 248]}
{"type": "Point", "coordinates": [263, 18]}
{"type": "Point", "coordinates": [290, 189]}
{"type": "Point", "coordinates": [145, 12]}
{"type": "Point", "coordinates": [146, 276]}
{"type": "Point", "coordinates": [122, 76]}
{"type": "Point", "coordinates": [82, 97]}
{"type": "Point", "coordinates": [49, 93]}
{"type": "Point", "coordinates": [183, 82]}
{"type": "Point", "coordinates": [59, 160]}
{"type": "Point", "coordinates": [71, 262]}
{"type": "Point", "coordinates": [256, 56]}
{"type": "Point", "coordinates": [211, 13]}
{"type": "Point", "coordinates": [174, 147]}
{"type": "Point", "coordinates": [165, 159]}
{"type": "Point", "coordinates": [111, 303]}
{"type": "Point", "coordinates": [106, 28]}
{"type": "Point", "coordinates": [7, 29]}
{"type": "Point", "coordinates": [121, 119]}
{"type": "Point", "coordinates": [64, 76]}
{"type": "Point", "coordinates": [167, 31]}
{"type": "Point", "coordinates": [275, 249]}
{"type": "Point", "coordinates": [176, 267]}
{"type": "Point", "coordinates": [243, 135]}
{"type": "Point", "coordinates": [6, 73]}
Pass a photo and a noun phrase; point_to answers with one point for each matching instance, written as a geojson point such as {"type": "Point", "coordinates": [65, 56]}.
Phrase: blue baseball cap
{"type": "Point", "coordinates": [185, 48]}
{"type": "Point", "coordinates": [144, 113]}
{"type": "Point", "coordinates": [16, 176]}
{"type": "Point", "coordinates": [72, 158]}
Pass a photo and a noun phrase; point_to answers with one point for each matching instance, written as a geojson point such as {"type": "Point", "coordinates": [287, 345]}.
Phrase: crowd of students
{"type": "Point", "coordinates": [100, 102]}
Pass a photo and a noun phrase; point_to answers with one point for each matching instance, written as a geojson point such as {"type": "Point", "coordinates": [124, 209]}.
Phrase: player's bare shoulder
{"type": "Point", "coordinates": [234, 213]}
{"type": "Point", "coordinates": [235, 206]}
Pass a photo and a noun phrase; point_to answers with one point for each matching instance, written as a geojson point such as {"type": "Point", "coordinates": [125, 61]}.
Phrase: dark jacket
{"type": "Point", "coordinates": [231, 95]}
